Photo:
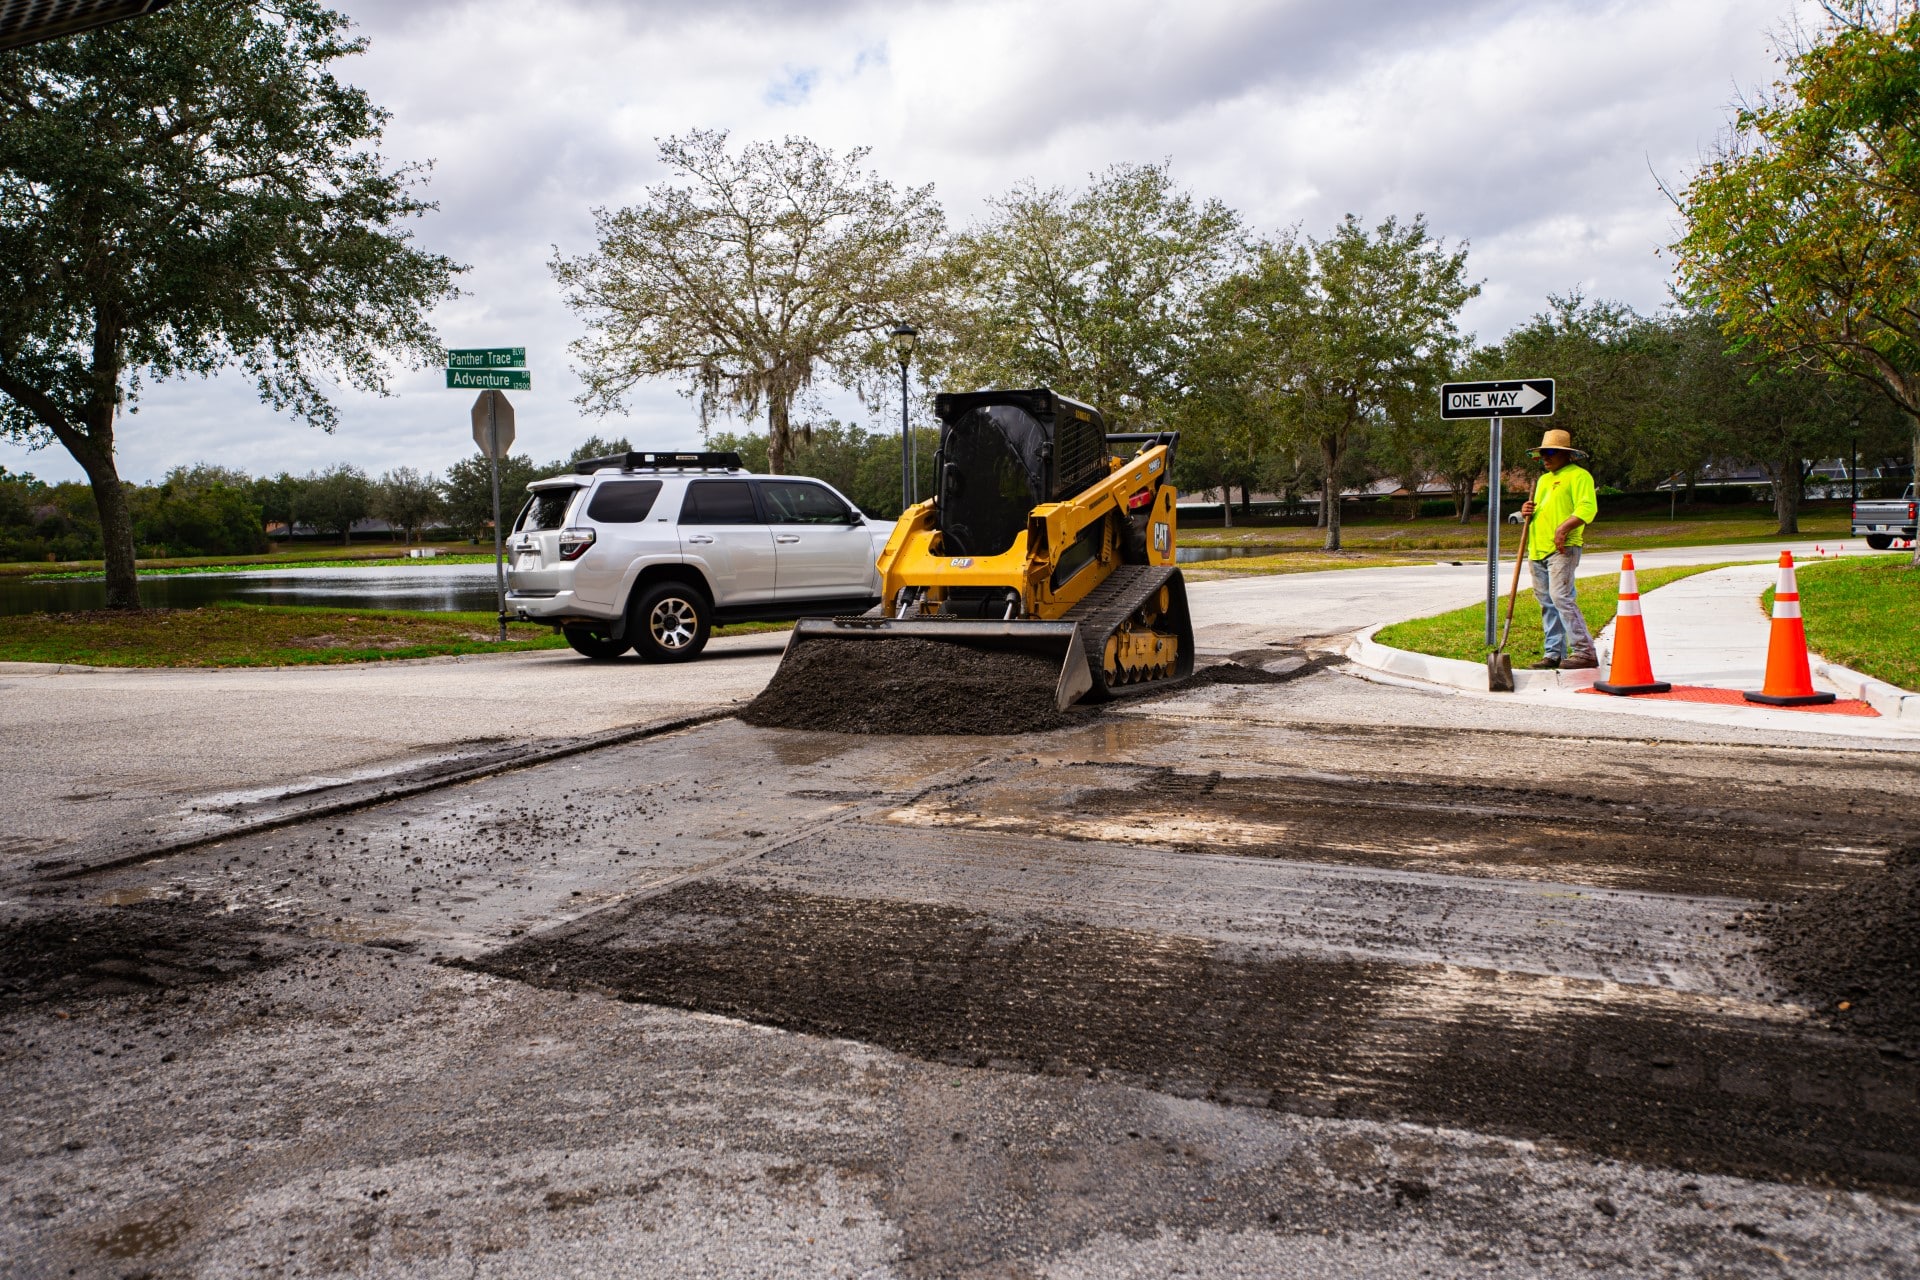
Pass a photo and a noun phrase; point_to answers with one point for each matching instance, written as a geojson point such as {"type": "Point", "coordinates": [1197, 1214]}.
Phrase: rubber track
{"type": "Point", "coordinates": [1108, 605]}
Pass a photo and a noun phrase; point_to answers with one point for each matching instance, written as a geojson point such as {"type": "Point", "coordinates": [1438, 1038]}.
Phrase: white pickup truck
{"type": "Point", "coordinates": [1887, 520]}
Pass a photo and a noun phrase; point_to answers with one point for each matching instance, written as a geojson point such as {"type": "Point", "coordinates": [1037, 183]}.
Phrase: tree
{"type": "Point", "coordinates": [1366, 334]}
{"type": "Point", "coordinates": [595, 447]}
{"type": "Point", "coordinates": [1097, 294]}
{"type": "Point", "coordinates": [1799, 234]}
{"type": "Point", "coordinates": [335, 500]}
{"type": "Point", "coordinates": [189, 192]}
{"type": "Point", "coordinates": [468, 490]}
{"type": "Point", "coordinates": [746, 276]}
{"type": "Point", "coordinates": [199, 510]}
{"type": "Point", "coordinates": [407, 500]}
{"type": "Point", "coordinates": [277, 496]}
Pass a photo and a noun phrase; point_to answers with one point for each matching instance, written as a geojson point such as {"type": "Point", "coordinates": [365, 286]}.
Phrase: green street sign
{"type": "Point", "coordinates": [489, 380]}
{"type": "Point", "coordinates": [487, 358]}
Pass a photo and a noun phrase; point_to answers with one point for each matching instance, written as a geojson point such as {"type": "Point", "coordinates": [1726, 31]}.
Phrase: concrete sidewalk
{"type": "Point", "coordinates": [1707, 630]}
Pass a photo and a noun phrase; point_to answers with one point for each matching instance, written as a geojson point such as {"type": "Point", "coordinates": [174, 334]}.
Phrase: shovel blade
{"type": "Point", "coordinates": [1499, 673]}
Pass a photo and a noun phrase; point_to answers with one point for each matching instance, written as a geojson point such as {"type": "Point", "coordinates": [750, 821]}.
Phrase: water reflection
{"type": "Point", "coordinates": [424, 588]}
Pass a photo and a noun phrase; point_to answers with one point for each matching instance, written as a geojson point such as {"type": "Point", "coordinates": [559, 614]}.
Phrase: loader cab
{"type": "Point", "coordinates": [1003, 453]}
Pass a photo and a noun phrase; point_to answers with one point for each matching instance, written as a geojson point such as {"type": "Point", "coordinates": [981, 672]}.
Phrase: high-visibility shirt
{"type": "Point", "coordinates": [1557, 495]}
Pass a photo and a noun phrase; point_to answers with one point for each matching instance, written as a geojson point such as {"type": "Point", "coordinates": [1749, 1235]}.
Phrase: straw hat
{"type": "Point", "coordinates": [1557, 439]}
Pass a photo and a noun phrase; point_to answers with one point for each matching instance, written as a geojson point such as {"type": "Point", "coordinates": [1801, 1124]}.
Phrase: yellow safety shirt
{"type": "Point", "coordinates": [1557, 495]}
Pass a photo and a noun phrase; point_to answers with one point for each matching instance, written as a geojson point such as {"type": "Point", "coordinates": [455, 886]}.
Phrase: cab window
{"type": "Point", "coordinates": [623, 501]}
{"type": "Point", "coordinates": [795, 502]}
{"type": "Point", "coordinates": [719, 502]}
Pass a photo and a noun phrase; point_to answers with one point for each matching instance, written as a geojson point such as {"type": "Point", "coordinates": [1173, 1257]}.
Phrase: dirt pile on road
{"type": "Point", "coordinates": [1854, 953]}
{"type": "Point", "coordinates": [910, 686]}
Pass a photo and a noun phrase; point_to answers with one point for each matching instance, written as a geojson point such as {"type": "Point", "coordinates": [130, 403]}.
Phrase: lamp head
{"type": "Point", "coordinates": [903, 340]}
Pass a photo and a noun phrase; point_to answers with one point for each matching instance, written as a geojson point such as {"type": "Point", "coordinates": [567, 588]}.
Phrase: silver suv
{"type": "Point", "coordinates": [648, 551]}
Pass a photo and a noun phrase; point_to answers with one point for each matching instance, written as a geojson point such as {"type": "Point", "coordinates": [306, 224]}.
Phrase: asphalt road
{"type": "Point", "coordinates": [1302, 978]}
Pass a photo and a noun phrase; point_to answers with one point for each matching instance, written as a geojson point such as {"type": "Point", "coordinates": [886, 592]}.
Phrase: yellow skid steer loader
{"type": "Point", "coordinates": [1045, 535]}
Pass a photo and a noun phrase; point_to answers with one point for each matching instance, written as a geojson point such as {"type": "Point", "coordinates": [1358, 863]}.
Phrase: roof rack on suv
{"type": "Point", "coordinates": [702, 461]}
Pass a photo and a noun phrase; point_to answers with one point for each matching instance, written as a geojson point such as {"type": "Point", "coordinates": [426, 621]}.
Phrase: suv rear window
{"type": "Point", "coordinates": [718, 502]}
{"type": "Point", "coordinates": [623, 501]}
{"type": "Point", "coordinates": [546, 509]}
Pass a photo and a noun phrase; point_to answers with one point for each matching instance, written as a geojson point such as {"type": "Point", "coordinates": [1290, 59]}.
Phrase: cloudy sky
{"type": "Point", "coordinates": [1532, 128]}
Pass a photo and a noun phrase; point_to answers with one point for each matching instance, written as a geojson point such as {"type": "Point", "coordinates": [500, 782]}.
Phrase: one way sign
{"type": "Point", "coordinates": [1521, 398]}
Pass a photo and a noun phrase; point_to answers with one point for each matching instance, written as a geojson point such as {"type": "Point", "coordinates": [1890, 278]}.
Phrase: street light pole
{"type": "Point", "coordinates": [903, 339]}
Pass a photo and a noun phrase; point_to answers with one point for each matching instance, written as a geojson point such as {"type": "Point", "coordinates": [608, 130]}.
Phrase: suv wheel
{"type": "Point", "coordinates": [590, 643]}
{"type": "Point", "coordinates": [670, 622]}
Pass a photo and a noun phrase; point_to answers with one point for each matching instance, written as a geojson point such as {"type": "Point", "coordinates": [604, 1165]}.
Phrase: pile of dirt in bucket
{"type": "Point", "coordinates": [907, 686]}
{"type": "Point", "coordinates": [1854, 953]}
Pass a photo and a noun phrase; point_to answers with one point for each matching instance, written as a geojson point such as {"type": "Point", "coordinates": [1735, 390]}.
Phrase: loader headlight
{"type": "Point", "coordinates": [574, 543]}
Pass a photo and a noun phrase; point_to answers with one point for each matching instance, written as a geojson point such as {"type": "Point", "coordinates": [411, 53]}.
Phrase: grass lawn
{"type": "Point", "coordinates": [244, 635]}
{"type": "Point", "coordinates": [1304, 560]}
{"type": "Point", "coordinates": [1629, 532]}
{"type": "Point", "coordinates": [1462, 633]}
{"type": "Point", "coordinates": [1864, 613]}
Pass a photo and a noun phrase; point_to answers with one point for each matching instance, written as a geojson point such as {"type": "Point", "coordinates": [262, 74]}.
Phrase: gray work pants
{"type": "Point", "coordinates": [1566, 631]}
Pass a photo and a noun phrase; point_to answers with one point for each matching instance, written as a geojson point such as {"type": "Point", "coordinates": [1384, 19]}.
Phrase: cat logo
{"type": "Point", "coordinates": [1162, 536]}
{"type": "Point", "coordinates": [961, 562]}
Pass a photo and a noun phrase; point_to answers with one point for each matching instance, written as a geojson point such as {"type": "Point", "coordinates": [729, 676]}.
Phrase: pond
{"type": "Point", "coordinates": [424, 588]}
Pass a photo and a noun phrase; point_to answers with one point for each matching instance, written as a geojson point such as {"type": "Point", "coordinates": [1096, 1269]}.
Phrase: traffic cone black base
{"type": "Point", "coordinates": [1628, 690]}
{"type": "Point", "coordinates": [1790, 699]}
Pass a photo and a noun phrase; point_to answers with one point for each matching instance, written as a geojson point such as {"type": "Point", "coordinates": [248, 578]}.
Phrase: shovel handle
{"type": "Point", "coordinates": [1519, 558]}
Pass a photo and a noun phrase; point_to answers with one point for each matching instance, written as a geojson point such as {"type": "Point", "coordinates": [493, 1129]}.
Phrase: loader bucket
{"type": "Point", "coordinates": [1058, 641]}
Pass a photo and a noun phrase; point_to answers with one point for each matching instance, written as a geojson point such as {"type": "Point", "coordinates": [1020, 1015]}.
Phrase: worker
{"type": "Point", "coordinates": [1563, 506]}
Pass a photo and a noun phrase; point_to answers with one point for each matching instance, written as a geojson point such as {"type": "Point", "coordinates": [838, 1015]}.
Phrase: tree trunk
{"type": "Point", "coordinates": [1246, 500]}
{"type": "Point", "coordinates": [1786, 494]}
{"type": "Point", "coordinates": [116, 518]}
{"type": "Point", "coordinates": [1330, 454]}
{"type": "Point", "coordinates": [1915, 420]}
{"type": "Point", "coordinates": [1226, 505]}
{"type": "Point", "coordinates": [780, 435]}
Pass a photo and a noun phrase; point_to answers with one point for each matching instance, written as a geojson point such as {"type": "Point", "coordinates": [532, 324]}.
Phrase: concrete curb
{"type": "Point", "coordinates": [1470, 676]}
{"type": "Point", "coordinates": [368, 792]}
{"type": "Point", "coordinates": [1891, 701]}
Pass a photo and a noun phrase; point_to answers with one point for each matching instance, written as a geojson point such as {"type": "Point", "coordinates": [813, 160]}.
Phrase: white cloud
{"type": "Point", "coordinates": [1532, 129]}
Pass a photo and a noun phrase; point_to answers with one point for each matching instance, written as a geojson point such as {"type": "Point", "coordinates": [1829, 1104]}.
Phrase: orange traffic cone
{"type": "Point", "coordinates": [1789, 681]}
{"type": "Point", "coordinates": [1632, 665]}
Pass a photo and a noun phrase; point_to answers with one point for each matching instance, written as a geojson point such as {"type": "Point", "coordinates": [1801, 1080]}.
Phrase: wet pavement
{"type": "Point", "coordinates": [1293, 979]}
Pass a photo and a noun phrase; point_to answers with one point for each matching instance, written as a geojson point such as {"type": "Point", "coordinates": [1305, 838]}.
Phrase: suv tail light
{"type": "Point", "coordinates": [1911, 508]}
{"type": "Point", "coordinates": [574, 543]}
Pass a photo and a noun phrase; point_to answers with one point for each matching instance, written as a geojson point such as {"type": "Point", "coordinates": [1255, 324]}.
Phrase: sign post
{"type": "Point", "coordinates": [493, 432]}
{"type": "Point", "coordinates": [1515, 398]}
{"type": "Point", "coordinates": [491, 370]}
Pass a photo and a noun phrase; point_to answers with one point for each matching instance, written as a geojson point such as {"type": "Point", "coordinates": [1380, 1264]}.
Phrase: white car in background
{"type": "Point", "coordinates": [648, 551]}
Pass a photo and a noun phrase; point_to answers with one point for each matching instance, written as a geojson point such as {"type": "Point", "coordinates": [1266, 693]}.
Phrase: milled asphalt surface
{"type": "Point", "coordinates": [742, 1002]}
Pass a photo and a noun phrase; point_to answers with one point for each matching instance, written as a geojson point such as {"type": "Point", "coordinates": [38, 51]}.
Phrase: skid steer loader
{"type": "Point", "coordinates": [1045, 535]}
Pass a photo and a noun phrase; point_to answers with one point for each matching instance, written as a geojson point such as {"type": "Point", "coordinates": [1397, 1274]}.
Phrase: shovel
{"type": "Point", "coordinates": [1499, 665]}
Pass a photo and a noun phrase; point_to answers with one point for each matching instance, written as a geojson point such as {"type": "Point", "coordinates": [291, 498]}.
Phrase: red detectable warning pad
{"type": "Point", "coordinates": [1732, 698]}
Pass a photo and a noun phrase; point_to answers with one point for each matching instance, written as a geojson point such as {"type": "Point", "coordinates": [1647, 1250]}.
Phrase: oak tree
{"type": "Point", "coordinates": [187, 192]}
{"type": "Point", "coordinates": [747, 275]}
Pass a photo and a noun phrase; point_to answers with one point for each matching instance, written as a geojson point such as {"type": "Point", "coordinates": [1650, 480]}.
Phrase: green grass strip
{"type": "Point", "coordinates": [1864, 613]}
{"type": "Point", "coordinates": [1462, 633]}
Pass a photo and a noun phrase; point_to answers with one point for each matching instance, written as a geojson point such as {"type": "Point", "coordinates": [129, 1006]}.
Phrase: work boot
{"type": "Point", "coordinates": [1548, 663]}
{"type": "Point", "coordinates": [1580, 662]}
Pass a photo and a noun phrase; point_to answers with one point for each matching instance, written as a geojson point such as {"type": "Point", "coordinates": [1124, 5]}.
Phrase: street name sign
{"type": "Point", "coordinates": [493, 424]}
{"type": "Point", "coordinates": [489, 380]}
{"type": "Point", "coordinates": [487, 358]}
{"type": "Point", "coordinates": [1519, 398]}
